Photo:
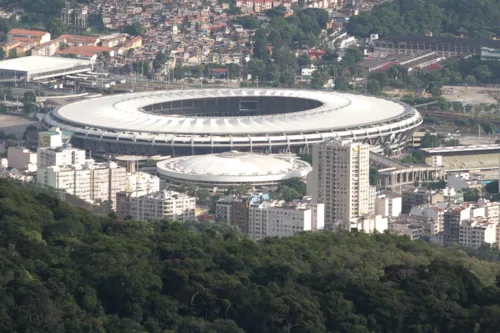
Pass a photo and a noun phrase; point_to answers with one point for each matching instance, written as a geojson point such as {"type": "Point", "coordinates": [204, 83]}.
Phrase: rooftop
{"type": "Point", "coordinates": [40, 63]}
{"type": "Point", "coordinates": [461, 148]}
{"type": "Point", "coordinates": [37, 33]}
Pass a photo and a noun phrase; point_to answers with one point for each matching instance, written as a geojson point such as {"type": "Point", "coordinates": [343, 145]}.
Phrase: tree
{"type": "Point", "coordinates": [2, 54]}
{"type": "Point", "coordinates": [29, 97]}
{"type": "Point", "coordinates": [135, 29]}
{"type": "Point", "coordinates": [160, 60]}
{"type": "Point", "coordinates": [259, 47]}
{"type": "Point", "coordinates": [488, 128]}
{"type": "Point", "coordinates": [470, 79]}
{"type": "Point", "coordinates": [319, 79]}
{"type": "Point", "coordinates": [56, 27]}
{"type": "Point", "coordinates": [12, 54]}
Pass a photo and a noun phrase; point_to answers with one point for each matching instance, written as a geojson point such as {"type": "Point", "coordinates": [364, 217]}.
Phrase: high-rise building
{"type": "Point", "coordinates": [340, 180]}
{"type": "Point", "coordinates": [168, 205]}
{"type": "Point", "coordinates": [59, 156]}
{"type": "Point", "coordinates": [92, 182]}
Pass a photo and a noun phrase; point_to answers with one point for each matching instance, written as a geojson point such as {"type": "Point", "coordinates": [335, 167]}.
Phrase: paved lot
{"type": "Point", "coordinates": [470, 95]}
{"type": "Point", "coordinates": [15, 125]}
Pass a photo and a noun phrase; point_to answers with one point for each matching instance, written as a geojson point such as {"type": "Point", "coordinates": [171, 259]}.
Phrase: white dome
{"type": "Point", "coordinates": [233, 167]}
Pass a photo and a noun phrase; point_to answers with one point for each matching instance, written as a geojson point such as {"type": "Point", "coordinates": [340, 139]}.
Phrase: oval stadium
{"type": "Point", "coordinates": [203, 121]}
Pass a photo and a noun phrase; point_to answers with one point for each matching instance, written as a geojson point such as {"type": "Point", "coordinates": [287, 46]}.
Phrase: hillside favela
{"type": "Point", "coordinates": [249, 166]}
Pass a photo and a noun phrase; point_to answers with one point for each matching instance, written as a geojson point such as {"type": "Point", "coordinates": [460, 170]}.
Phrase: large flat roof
{"type": "Point", "coordinates": [40, 63]}
{"type": "Point", "coordinates": [458, 149]}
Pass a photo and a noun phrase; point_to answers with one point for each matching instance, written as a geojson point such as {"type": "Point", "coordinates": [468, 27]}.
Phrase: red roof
{"type": "Point", "coordinates": [26, 32]}
{"type": "Point", "coordinates": [218, 70]}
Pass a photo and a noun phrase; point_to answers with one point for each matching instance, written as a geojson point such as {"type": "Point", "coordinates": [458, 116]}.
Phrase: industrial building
{"type": "Point", "coordinates": [37, 68]}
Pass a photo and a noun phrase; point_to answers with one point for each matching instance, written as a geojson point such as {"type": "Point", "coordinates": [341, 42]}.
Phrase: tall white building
{"type": "Point", "coordinates": [92, 182]}
{"type": "Point", "coordinates": [59, 156]}
{"type": "Point", "coordinates": [340, 180]}
{"type": "Point", "coordinates": [272, 218]}
{"type": "Point", "coordinates": [173, 206]}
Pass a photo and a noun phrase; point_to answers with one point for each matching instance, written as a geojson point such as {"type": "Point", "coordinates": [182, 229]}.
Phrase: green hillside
{"type": "Point", "coordinates": [64, 270]}
{"type": "Point", "coordinates": [403, 17]}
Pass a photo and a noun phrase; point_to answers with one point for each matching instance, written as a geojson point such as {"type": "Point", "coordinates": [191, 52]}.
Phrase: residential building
{"type": "Point", "coordinates": [388, 204]}
{"type": "Point", "coordinates": [92, 182]}
{"type": "Point", "coordinates": [367, 224]}
{"type": "Point", "coordinates": [40, 36]}
{"type": "Point", "coordinates": [59, 156]}
{"type": "Point", "coordinates": [273, 218]}
{"type": "Point", "coordinates": [340, 180]}
{"type": "Point", "coordinates": [453, 217]}
{"type": "Point", "coordinates": [476, 232]}
{"type": "Point", "coordinates": [419, 196]}
{"type": "Point", "coordinates": [170, 205]}
{"type": "Point", "coordinates": [21, 158]}
{"type": "Point", "coordinates": [50, 139]}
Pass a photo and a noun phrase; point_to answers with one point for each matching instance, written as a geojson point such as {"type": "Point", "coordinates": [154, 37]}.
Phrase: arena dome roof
{"type": "Point", "coordinates": [233, 167]}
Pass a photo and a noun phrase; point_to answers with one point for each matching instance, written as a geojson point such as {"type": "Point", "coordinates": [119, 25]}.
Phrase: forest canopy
{"type": "Point", "coordinates": [410, 17]}
{"type": "Point", "coordinates": [65, 270]}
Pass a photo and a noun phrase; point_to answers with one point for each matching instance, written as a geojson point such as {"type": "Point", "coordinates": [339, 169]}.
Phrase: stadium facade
{"type": "Point", "coordinates": [204, 121]}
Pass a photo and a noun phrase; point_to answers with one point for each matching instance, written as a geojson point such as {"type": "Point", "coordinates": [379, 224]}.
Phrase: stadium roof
{"type": "Point", "coordinates": [40, 63]}
{"type": "Point", "coordinates": [125, 113]}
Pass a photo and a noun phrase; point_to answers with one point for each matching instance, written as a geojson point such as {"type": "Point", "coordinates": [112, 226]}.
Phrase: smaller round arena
{"type": "Point", "coordinates": [224, 170]}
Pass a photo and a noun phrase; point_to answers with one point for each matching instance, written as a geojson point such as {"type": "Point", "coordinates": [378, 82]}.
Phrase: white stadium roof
{"type": "Point", "coordinates": [40, 63]}
{"type": "Point", "coordinates": [200, 121]}
{"type": "Point", "coordinates": [233, 167]}
{"type": "Point", "coordinates": [123, 113]}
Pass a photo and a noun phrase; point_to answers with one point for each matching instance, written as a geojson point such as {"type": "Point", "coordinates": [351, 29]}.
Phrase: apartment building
{"type": "Point", "coordinates": [59, 156]}
{"type": "Point", "coordinates": [170, 205]}
{"type": "Point", "coordinates": [367, 224]}
{"type": "Point", "coordinates": [40, 36]}
{"type": "Point", "coordinates": [340, 180]}
{"type": "Point", "coordinates": [21, 158]}
{"type": "Point", "coordinates": [388, 204]}
{"type": "Point", "coordinates": [476, 232]}
{"type": "Point", "coordinates": [273, 218]}
{"type": "Point", "coordinates": [92, 182]}
{"type": "Point", "coordinates": [453, 217]}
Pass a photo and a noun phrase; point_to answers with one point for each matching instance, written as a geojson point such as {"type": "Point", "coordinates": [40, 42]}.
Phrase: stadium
{"type": "Point", "coordinates": [223, 170]}
{"type": "Point", "coordinates": [204, 121]}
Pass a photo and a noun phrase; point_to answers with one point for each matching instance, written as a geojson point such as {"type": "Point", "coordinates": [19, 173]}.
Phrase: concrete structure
{"type": "Point", "coordinates": [340, 180]}
{"type": "Point", "coordinates": [50, 139]}
{"type": "Point", "coordinates": [388, 204]}
{"type": "Point", "coordinates": [188, 122]}
{"type": "Point", "coordinates": [59, 156]}
{"type": "Point", "coordinates": [36, 68]}
{"type": "Point", "coordinates": [394, 175]}
{"type": "Point", "coordinates": [220, 171]}
{"type": "Point", "coordinates": [271, 219]}
{"type": "Point", "coordinates": [92, 182]}
{"type": "Point", "coordinates": [169, 205]}
{"type": "Point", "coordinates": [419, 196]}
{"type": "Point", "coordinates": [453, 218]}
{"type": "Point", "coordinates": [464, 158]}
{"type": "Point", "coordinates": [21, 158]}
{"type": "Point", "coordinates": [490, 54]}
{"type": "Point", "coordinates": [444, 46]}
{"type": "Point", "coordinates": [476, 232]}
